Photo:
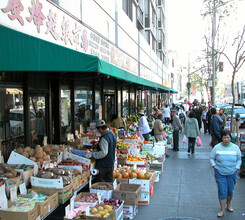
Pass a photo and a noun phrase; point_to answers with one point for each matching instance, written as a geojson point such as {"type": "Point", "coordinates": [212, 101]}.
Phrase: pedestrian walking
{"type": "Point", "coordinates": [204, 120]}
{"type": "Point", "coordinates": [143, 124]}
{"type": "Point", "coordinates": [177, 127]}
{"type": "Point", "coordinates": [182, 115]}
{"type": "Point", "coordinates": [198, 112]}
{"type": "Point", "coordinates": [105, 157]}
{"type": "Point", "coordinates": [191, 108]}
{"type": "Point", "coordinates": [191, 131]}
{"type": "Point", "coordinates": [158, 128]}
{"type": "Point", "coordinates": [225, 158]}
{"type": "Point", "coordinates": [209, 119]}
{"type": "Point", "coordinates": [216, 122]}
{"type": "Point", "coordinates": [166, 114]}
{"type": "Point", "coordinates": [223, 117]}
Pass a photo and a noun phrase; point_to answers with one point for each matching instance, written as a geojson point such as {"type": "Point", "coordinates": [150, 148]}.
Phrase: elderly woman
{"type": "Point", "coordinates": [225, 158]}
{"type": "Point", "coordinates": [158, 128]}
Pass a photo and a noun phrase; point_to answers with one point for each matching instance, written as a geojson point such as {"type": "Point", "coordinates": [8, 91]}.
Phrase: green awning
{"type": "Point", "coordinates": [22, 52]}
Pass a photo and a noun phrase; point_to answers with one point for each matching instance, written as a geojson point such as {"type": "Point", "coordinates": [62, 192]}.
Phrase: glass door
{"type": "Point", "coordinates": [38, 119]}
{"type": "Point", "coordinates": [109, 106]}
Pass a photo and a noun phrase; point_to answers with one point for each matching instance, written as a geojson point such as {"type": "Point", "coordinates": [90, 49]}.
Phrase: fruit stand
{"type": "Point", "coordinates": [53, 175]}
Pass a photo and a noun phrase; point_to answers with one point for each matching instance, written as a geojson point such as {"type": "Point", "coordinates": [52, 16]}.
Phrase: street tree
{"type": "Point", "coordinates": [236, 59]}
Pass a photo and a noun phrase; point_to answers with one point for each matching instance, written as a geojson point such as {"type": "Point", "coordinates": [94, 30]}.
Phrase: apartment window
{"type": "Point", "coordinates": [172, 62]}
{"type": "Point", "coordinates": [128, 8]}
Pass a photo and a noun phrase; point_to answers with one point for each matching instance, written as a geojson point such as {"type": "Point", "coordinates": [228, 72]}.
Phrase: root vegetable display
{"type": "Point", "coordinates": [7, 171]}
{"type": "Point", "coordinates": [104, 186]}
{"type": "Point", "coordinates": [89, 198]}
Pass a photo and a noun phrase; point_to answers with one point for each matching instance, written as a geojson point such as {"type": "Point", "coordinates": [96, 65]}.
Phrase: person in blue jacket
{"type": "Point", "coordinates": [225, 158]}
{"type": "Point", "coordinates": [215, 131]}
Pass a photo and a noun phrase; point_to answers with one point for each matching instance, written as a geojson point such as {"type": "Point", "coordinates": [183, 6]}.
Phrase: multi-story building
{"type": "Point", "coordinates": [79, 61]}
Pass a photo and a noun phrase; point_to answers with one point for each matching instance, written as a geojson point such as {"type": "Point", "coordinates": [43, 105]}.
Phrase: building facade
{"type": "Point", "coordinates": [78, 61]}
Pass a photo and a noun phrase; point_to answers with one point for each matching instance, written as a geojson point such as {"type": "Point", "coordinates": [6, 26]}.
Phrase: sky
{"type": "Point", "coordinates": [186, 27]}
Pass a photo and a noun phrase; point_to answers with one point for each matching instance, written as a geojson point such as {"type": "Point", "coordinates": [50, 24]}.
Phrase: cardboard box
{"type": "Point", "coordinates": [156, 166]}
{"type": "Point", "coordinates": [111, 216]}
{"type": "Point", "coordinates": [130, 193]}
{"type": "Point", "coordinates": [130, 211]}
{"type": "Point", "coordinates": [47, 183]}
{"type": "Point", "coordinates": [104, 193]}
{"type": "Point", "coordinates": [76, 157]}
{"type": "Point", "coordinates": [121, 181]}
{"type": "Point", "coordinates": [26, 175]}
{"type": "Point", "coordinates": [144, 199]}
{"type": "Point", "coordinates": [145, 184]}
{"type": "Point", "coordinates": [50, 203]}
{"type": "Point", "coordinates": [8, 215]}
{"type": "Point", "coordinates": [77, 203]}
{"type": "Point", "coordinates": [11, 182]}
{"type": "Point", "coordinates": [119, 211]}
{"type": "Point", "coordinates": [63, 194]}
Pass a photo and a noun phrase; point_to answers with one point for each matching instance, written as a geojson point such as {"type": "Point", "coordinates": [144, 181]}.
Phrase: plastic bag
{"type": "Point", "coordinates": [199, 142]}
{"type": "Point", "coordinates": [164, 135]}
{"type": "Point", "coordinates": [185, 140]}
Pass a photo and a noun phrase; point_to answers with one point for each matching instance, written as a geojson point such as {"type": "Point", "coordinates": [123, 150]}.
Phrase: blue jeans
{"type": "Point", "coordinates": [225, 184]}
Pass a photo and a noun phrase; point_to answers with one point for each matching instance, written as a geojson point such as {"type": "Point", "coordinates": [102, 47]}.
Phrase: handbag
{"type": "Point", "coordinates": [199, 142]}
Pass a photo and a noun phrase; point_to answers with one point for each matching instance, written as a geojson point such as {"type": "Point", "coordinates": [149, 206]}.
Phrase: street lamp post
{"type": "Point", "coordinates": [213, 52]}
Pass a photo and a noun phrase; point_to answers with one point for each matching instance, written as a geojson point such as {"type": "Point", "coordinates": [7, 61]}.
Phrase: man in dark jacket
{"type": "Point", "coordinates": [177, 127]}
{"type": "Point", "coordinates": [215, 127]}
{"type": "Point", "coordinates": [198, 112]}
{"type": "Point", "coordinates": [105, 157]}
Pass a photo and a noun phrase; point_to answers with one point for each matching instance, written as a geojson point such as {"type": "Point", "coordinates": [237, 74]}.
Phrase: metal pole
{"type": "Point", "coordinates": [213, 52]}
{"type": "Point", "coordinates": [188, 77]}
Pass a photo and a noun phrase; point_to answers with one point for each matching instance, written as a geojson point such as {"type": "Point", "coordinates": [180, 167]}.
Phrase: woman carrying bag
{"type": "Point", "coordinates": [191, 131]}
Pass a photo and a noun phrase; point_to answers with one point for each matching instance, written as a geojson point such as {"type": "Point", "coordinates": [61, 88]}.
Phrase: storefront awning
{"type": "Point", "coordinates": [22, 52]}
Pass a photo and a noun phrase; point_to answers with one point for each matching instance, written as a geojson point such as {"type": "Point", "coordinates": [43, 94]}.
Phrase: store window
{"type": "Point", "coordinates": [11, 120]}
{"type": "Point", "coordinates": [150, 107]}
{"type": "Point", "coordinates": [83, 109]}
{"type": "Point", "coordinates": [132, 103]}
{"type": "Point", "coordinates": [98, 106]}
{"type": "Point", "coordinates": [65, 108]}
{"type": "Point", "coordinates": [125, 103]}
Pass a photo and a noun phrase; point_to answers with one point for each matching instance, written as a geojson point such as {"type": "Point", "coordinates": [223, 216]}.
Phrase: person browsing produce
{"type": "Point", "coordinates": [144, 127]}
{"type": "Point", "coordinates": [225, 158]}
{"type": "Point", "coordinates": [105, 157]}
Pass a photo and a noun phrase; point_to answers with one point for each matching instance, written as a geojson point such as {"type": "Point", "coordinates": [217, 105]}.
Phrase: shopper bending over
{"type": "Point", "coordinates": [225, 158]}
{"type": "Point", "coordinates": [105, 157]}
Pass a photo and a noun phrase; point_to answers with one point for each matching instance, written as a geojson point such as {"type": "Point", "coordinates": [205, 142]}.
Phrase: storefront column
{"type": "Point", "coordinates": [129, 107]}
{"type": "Point", "coordinates": [122, 100]}
{"type": "Point", "coordinates": [102, 97]}
{"type": "Point", "coordinates": [56, 94]}
{"type": "Point", "coordinates": [26, 104]}
{"type": "Point", "coordinates": [73, 108]}
{"type": "Point", "coordinates": [116, 98]}
{"type": "Point", "coordinates": [93, 100]}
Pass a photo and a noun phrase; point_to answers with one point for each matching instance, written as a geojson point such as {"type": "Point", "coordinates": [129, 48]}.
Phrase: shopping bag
{"type": "Point", "coordinates": [164, 135]}
{"type": "Point", "coordinates": [199, 142]}
{"type": "Point", "coordinates": [185, 140]}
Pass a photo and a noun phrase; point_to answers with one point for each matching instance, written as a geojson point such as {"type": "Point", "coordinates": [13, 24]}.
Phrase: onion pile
{"type": "Point", "coordinates": [116, 203]}
{"type": "Point", "coordinates": [89, 198]}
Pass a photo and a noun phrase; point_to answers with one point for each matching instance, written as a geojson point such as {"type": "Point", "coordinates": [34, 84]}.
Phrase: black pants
{"type": "Point", "coordinates": [176, 140]}
{"type": "Point", "coordinates": [205, 126]}
{"type": "Point", "coordinates": [191, 144]}
{"type": "Point", "coordinates": [40, 139]}
{"type": "Point", "coordinates": [146, 136]}
{"type": "Point", "coordinates": [105, 174]}
{"type": "Point", "coordinates": [167, 121]}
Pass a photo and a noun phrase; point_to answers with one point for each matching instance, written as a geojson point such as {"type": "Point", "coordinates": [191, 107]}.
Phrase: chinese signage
{"type": "Point", "coordinates": [42, 19]}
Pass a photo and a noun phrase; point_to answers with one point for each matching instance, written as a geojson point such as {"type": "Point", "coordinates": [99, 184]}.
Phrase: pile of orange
{"type": "Point", "coordinates": [135, 158]}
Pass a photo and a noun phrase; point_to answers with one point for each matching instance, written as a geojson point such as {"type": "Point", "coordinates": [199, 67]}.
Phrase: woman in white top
{"type": "Point", "coordinates": [144, 127]}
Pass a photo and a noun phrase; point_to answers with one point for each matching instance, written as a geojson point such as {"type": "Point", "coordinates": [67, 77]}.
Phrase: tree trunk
{"type": "Point", "coordinates": [233, 99]}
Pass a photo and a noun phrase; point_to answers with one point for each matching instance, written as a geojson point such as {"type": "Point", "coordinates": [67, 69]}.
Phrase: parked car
{"type": "Point", "coordinates": [237, 109]}
{"type": "Point", "coordinates": [16, 119]}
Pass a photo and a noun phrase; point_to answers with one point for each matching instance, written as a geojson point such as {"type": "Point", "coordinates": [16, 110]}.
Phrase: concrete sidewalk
{"type": "Point", "coordinates": [187, 188]}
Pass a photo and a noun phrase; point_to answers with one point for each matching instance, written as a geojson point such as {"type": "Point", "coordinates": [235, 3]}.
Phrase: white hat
{"type": "Point", "coordinates": [100, 123]}
{"type": "Point", "coordinates": [141, 112]}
